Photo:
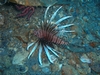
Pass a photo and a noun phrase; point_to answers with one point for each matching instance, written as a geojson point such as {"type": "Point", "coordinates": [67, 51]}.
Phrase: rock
{"type": "Point", "coordinates": [96, 67]}
{"type": "Point", "coordinates": [68, 70]}
{"type": "Point", "coordinates": [56, 67]}
{"type": "Point", "coordinates": [3, 51]}
{"type": "Point", "coordinates": [2, 2]}
{"type": "Point", "coordinates": [44, 65]}
{"type": "Point", "coordinates": [35, 67]}
{"type": "Point", "coordinates": [1, 19]}
{"type": "Point", "coordinates": [20, 57]}
{"type": "Point", "coordinates": [83, 69]}
{"type": "Point", "coordinates": [46, 69]}
{"type": "Point", "coordinates": [85, 59]}
{"type": "Point", "coordinates": [85, 18]}
{"type": "Point", "coordinates": [94, 57]}
{"type": "Point", "coordinates": [21, 68]}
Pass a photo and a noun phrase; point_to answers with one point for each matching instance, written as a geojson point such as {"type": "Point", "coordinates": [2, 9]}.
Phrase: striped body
{"type": "Point", "coordinates": [49, 37]}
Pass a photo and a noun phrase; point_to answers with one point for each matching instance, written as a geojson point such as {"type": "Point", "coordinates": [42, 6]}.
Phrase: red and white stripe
{"type": "Point", "coordinates": [50, 37]}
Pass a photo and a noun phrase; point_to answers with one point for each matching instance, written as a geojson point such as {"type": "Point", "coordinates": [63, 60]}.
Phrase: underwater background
{"type": "Point", "coordinates": [80, 57]}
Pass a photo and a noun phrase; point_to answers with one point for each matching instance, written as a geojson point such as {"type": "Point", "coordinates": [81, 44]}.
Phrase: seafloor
{"type": "Point", "coordinates": [81, 57]}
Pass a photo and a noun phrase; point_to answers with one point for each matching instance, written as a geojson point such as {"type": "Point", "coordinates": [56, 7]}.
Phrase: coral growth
{"type": "Point", "coordinates": [26, 11]}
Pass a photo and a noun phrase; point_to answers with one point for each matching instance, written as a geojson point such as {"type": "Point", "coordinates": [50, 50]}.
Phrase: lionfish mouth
{"type": "Point", "coordinates": [46, 34]}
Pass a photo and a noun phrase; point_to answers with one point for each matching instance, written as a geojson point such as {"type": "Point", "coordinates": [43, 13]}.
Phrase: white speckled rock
{"type": "Point", "coordinates": [85, 59]}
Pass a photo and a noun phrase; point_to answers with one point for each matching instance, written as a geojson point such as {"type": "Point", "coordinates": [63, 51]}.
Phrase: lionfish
{"type": "Point", "coordinates": [46, 33]}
